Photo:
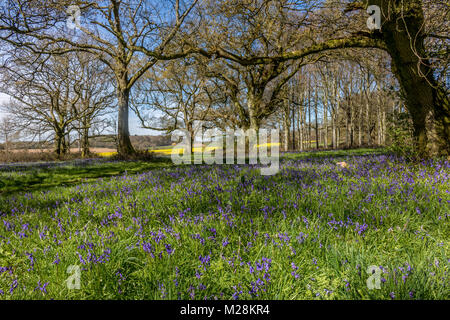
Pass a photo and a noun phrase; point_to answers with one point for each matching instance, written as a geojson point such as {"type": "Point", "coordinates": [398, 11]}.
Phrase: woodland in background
{"type": "Point", "coordinates": [313, 69]}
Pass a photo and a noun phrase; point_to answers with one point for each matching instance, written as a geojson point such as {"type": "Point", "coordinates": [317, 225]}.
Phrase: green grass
{"type": "Point", "coordinates": [44, 178]}
{"type": "Point", "coordinates": [333, 153]}
{"type": "Point", "coordinates": [192, 232]}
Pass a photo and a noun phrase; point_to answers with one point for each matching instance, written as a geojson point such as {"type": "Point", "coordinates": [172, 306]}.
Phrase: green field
{"type": "Point", "coordinates": [45, 177]}
{"type": "Point", "coordinates": [140, 230]}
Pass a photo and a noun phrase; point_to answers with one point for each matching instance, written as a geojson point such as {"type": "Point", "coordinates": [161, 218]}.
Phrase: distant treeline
{"type": "Point", "coordinates": [105, 141]}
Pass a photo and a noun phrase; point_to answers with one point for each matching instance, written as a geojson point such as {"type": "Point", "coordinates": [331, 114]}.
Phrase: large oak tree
{"type": "Point", "coordinates": [128, 36]}
{"type": "Point", "coordinates": [409, 34]}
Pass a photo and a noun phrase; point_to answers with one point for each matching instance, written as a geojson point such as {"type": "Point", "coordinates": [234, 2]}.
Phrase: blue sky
{"type": "Point", "coordinates": [135, 126]}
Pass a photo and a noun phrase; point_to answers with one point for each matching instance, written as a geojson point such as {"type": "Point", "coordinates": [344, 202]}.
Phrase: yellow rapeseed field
{"type": "Point", "coordinates": [169, 151]}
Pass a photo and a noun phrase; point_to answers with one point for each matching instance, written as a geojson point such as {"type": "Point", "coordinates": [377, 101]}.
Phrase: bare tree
{"type": "Point", "coordinates": [128, 36]}
{"type": "Point", "coordinates": [55, 94]}
{"type": "Point", "coordinates": [179, 94]}
{"type": "Point", "coordinates": [405, 35]}
{"type": "Point", "coordinates": [96, 94]}
{"type": "Point", "coordinates": [250, 29]}
{"type": "Point", "coordinates": [7, 131]}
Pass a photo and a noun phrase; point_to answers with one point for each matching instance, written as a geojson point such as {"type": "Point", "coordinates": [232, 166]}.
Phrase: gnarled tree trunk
{"type": "Point", "coordinates": [426, 100]}
{"type": "Point", "coordinates": [123, 134]}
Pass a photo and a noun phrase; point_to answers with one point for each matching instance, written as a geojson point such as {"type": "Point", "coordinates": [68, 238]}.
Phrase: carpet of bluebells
{"type": "Point", "coordinates": [312, 231]}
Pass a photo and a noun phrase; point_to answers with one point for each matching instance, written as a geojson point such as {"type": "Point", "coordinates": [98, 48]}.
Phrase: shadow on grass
{"type": "Point", "coordinates": [40, 176]}
{"type": "Point", "coordinates": [36, 178]}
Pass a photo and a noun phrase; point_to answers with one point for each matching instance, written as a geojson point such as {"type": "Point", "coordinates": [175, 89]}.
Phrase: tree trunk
{"type": "Point", "coordinates": [325, 125]}
{"type": "Point", "coordinates": [309, 116]}
{"type": "Point", "coordinates": [66, 144]}
{"type": "Point", "coordinates": [287, 133]}
{"type": "Point", "coordinates": [59, 143]}
{"type": "Point", "coordinates": [6, 142]}
{"type": "Point", "coordinates": [368, 131]}
{"type": "Point", "coordinates": [426, 100]}
{"type": "Point", "coordinates": [123, 134]}
{"type": "Point", "coordinates": [348, 126]}
{"type": "Point", "coordinates": [85, 140]}
{"type": "Point", "coordinates": [335, 114]}
{"type": "Point", "coordinates": [300, 123]}
{"type": "Point", "coordinates": [294, 142]}
{"type": "Point", "coordinates": [300, 131]}
{"type": "Point", "coordinates": [352, 124]}
{"type": "Point", "coordinates": [360, 124]}
{"type": "Point", "coordinates": [190, 131]}
{"type": "Point", "coordinates": [338, 131]}
{"type": "Point", "coordinates": [338, 136]}
{"type": "Point", "coordinates": [253, 103]}
{"type": "Point", "coordinates": [333, 130]}
{"type": "Point", "coordinates": [316, 126]}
